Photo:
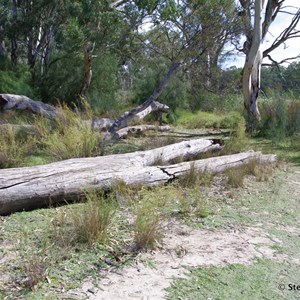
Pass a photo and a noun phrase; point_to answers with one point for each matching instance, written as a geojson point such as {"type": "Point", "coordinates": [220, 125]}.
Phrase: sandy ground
{"type": "Point", "coordinates": [182, 247]}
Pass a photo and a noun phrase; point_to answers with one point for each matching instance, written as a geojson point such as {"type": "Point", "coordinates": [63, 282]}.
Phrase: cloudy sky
{"type": "Point", "coordinates": [290, 49]}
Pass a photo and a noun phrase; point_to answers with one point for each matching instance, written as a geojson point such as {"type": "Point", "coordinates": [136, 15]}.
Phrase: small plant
{"type": "Point", "coordinates": [185, 206]}
{"type": "Point", "coordinates": [189, 179]}
{"type": "Point", "coordinates": [87, 222]}
{"type": "Point", "coordinates": [92, 221]}
{"type": "Point", "coordinates": [147, 224]}
{"type": "Point", "coordinates": [236, 177]}
{"type": "Point", "coordinates": [237, 141]}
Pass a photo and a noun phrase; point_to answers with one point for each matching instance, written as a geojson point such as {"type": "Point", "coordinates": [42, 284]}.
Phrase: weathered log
{"type": "Point", "coordinates": [9, 101]}
{"type": "Point", "coordinates": [30, 188]}
{"type": "Point", "coordinates": [33, 187]}
{"type": "Point", "coordinates": [104, 124]}
{"type": "Point", "coordinates": [124, 132]}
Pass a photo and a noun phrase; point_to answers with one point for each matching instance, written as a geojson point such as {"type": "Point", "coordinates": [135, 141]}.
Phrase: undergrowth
{"type": "Point", "coordinates": [65, 137]}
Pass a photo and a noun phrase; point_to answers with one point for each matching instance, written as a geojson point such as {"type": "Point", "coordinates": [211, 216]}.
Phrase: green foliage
{"type": "Point", "coordinates": [102, 92]}
{"type": "Point", "coordinates": [280, 117]}
{"type": "Point", "coordinates": [148, 79]}
{"type": "Point", "coordinates": [14, 80]}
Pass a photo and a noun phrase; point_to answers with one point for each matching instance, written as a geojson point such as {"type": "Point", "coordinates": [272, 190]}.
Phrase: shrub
{"type": "Point", "coordinates": [280, 118]}
{"type": "Point", "coordinates": [237, 141]}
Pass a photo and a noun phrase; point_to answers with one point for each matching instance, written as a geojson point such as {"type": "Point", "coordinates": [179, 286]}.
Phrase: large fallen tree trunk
{"type": "Point", "coordinates": [33, 187]}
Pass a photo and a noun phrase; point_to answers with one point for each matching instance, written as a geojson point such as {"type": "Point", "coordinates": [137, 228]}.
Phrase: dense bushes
{"type": "Point", "coordinates": [280, 117]}
{"type": "Point", "coordinates": [15, 79]}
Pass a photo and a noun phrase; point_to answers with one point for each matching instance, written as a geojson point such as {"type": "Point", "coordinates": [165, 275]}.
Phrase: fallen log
{"type": "Point", "coordinates": [19, 102]}
{"type": "Point", "coordinates": [124, 132]}
{"type": "Point", "coordinates": [120, 134]}
{"type": "Point", "coordinates": [34, 187]}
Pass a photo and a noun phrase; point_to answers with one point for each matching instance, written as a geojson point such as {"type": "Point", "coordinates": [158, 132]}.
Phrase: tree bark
{"type": "Point", "coordinates": [251, 73]}
{"type": "Point", "coordinates": [34, 187]}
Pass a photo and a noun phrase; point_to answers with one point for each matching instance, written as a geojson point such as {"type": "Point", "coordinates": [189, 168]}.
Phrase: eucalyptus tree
{"type": "Point", "coordinates": [256, 18]}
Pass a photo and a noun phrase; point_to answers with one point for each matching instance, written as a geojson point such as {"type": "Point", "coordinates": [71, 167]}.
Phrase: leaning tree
{"type": "Point", "coordinates": [256, 18]}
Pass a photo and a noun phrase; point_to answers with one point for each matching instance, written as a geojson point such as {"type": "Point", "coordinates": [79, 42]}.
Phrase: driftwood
{"type": "Point", "coordinates": [103, 124]}
{"type": "Point", "coordinates": [33, 187]}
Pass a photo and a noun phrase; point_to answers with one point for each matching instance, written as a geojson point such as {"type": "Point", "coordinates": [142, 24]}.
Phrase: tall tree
{"type": "Point", "coordinates": [257, 16]}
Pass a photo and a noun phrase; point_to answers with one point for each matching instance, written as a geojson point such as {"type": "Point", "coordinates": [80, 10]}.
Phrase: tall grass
{"type": "Point", "coordinates": [280, 118]}
{"type": "Point", "coordinates": [86, 223]}
{"type": "Point", "coordinates": [69, 136]}
{"type": "Point", "coordinates": [203, 119]}
{"type": "Point", "coordinates": [14, 146]}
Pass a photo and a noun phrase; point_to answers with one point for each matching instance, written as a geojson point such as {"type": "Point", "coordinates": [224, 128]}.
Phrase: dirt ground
{"type": "Point", "coordinates": [182, 247]}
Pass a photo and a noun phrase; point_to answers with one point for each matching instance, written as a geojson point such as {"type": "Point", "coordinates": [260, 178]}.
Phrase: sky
{"type": "Point", "coordinates": [290, 49]}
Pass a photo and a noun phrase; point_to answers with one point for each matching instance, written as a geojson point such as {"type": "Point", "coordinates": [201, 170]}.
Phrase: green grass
{"type": "Point", "coordinates": [202, 119]}
{"type": "Point", "coordinates": [260, 280]}
{"type": "Point", "coordinates": [53, 250]}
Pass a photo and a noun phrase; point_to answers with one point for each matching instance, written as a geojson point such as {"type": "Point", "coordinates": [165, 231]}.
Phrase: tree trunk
{"type": "Point", "coordinates": [34, 187]}
{"type": "Point", "coordinates": [251, 73]}
{"type": "Point", "coordinates": [88, 58]}
{"type": "Point", "coordinates": [3, 50]}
